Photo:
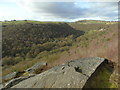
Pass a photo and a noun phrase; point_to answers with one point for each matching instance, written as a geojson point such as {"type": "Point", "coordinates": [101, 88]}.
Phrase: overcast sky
{"type": "Point", "coordinates": [57, 11]}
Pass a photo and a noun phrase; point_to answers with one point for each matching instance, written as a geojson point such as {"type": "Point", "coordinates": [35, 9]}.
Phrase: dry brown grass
{"type": "Point", "coordinates": [26, 64]}
{"type": "Point", "coordinates": [105, 47]}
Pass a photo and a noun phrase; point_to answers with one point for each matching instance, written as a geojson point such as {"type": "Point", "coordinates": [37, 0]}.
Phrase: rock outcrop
{"type": "Point", "coordinates": [16, 77]}
{"type": "Point", "coordinates": [12, 76]}
{"type": "Point", "coordinates": [73, 74]}
{"type": "Point", "coordinates": [15, 81]}
{"type": "Point", "coordinates": [38, 66]}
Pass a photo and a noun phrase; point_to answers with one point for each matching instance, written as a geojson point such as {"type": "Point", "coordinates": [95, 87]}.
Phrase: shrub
{"type": "Point", "coordinates": [11, 61]}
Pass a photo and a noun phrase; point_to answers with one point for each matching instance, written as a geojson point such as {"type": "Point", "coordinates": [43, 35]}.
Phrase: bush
{"type": "Point", "coordinates": [11, 61]}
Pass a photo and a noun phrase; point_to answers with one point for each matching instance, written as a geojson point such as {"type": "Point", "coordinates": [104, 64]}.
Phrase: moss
{"type": "Point", "coordinates": [25, 74]}
{"type": "Point", "coordinates": [113, 86]}
{"type": "Point", "coordinates": [100, 79]}
{"type": "Point", "coordinates": [108, 39]}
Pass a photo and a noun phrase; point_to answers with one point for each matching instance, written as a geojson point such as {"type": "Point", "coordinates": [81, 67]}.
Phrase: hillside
{"type": "Point", "coordinates": [21, 36]}
{"type": "Point", "coordinates": [87, 25]}
{"type": "Point", "coordinates": [56, 42]}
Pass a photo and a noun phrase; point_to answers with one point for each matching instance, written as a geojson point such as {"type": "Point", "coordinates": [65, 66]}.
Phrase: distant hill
{"type": "Point", "coordinates": [87, 25]}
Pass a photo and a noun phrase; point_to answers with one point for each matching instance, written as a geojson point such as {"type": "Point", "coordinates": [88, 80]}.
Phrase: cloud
{"type": "Point", "coordinates": [69, 11]}
{"type": "Point", "coordinates": [72, 10]}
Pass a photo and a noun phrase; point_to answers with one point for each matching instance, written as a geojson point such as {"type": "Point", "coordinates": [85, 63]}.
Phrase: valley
{"type": "Point", "coordinates": [25, 42]}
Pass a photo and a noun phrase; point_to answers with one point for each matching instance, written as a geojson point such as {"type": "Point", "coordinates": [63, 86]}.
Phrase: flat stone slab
{"type": "Point", "coordinates": [12, 75]}
{"type": "Point", "coordinates": [15, 81]}
{"type": "Point", "coordinates": [36, 66]}
{"type": "Point", "coordinates": [9, 76]}
{"type": "Point", "coordinates": [73, 74]}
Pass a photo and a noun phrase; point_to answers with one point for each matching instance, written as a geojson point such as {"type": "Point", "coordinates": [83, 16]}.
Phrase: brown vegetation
{"type": "Point", "coordinates": [100, 40]}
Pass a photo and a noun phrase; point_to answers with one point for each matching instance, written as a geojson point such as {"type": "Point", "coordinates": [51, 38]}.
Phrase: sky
{"type": "Point", "coordinates": [57, 11]}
